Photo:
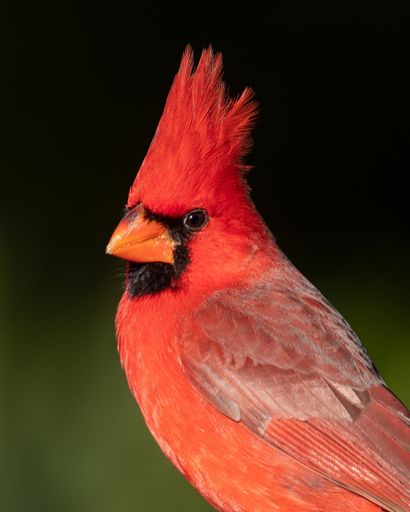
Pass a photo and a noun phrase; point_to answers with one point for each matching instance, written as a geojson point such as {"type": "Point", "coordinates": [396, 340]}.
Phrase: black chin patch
{"type": "Point", "coordinates": [151, 278]}
{"type": "Point", "coordinates": [147, 278]}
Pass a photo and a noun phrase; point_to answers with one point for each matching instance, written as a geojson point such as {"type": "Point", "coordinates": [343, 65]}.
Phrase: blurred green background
{"type": "Point", "coordinates": [84, 89]}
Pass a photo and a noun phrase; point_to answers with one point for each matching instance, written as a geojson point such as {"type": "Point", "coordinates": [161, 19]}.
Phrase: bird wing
{"type": "Point", "coordinates": [279, 358]}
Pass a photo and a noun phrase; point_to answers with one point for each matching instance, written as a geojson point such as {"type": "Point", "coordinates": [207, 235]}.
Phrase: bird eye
{"type": "Point", "coordinates": [195, 220]}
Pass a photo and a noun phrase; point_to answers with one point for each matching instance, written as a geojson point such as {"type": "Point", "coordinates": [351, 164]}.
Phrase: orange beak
{"type": "Point", "coordinates": [139, 239]}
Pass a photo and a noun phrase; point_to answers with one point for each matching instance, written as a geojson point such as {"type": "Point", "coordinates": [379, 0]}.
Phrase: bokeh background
{"type": "Point", "coordinates": [84, 89]}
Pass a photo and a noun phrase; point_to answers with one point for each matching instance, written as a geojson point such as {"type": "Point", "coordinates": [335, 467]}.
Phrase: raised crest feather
{"type": "Point", "coordinates": [202, 134]}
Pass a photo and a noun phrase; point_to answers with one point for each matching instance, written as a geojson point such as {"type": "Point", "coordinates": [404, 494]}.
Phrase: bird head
{"type": "Point", "coordinates": [189, 217]}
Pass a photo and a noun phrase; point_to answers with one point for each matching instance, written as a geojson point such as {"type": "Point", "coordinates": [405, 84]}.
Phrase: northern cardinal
{"type": "Point", "coordinates": [251, 382]}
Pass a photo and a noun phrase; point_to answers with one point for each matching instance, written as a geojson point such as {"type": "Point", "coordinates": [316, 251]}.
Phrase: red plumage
{"type": "Point", "coordinates": [199, 142]}
{"type": "Point", "coordinates": [250, 381]}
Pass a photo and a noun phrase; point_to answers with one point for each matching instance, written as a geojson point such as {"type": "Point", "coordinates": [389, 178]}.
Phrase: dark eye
{"type": "Point", "coordinates": [195, 220]}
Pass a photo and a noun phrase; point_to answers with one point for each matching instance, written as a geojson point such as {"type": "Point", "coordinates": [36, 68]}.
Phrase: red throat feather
{"type": "Point", "coordinates": [200, 140]}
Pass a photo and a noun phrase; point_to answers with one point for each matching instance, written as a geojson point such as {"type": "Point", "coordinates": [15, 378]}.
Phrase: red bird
{"type": "Point", "coordinates": [250, 381]}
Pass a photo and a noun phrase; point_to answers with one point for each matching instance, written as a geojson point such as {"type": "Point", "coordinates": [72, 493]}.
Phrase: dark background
{"type": "Point", "coordinates": [84, 89]}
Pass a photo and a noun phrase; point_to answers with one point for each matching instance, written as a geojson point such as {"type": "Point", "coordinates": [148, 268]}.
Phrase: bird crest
{"type": "Point", "coordinates": [201, 138]}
